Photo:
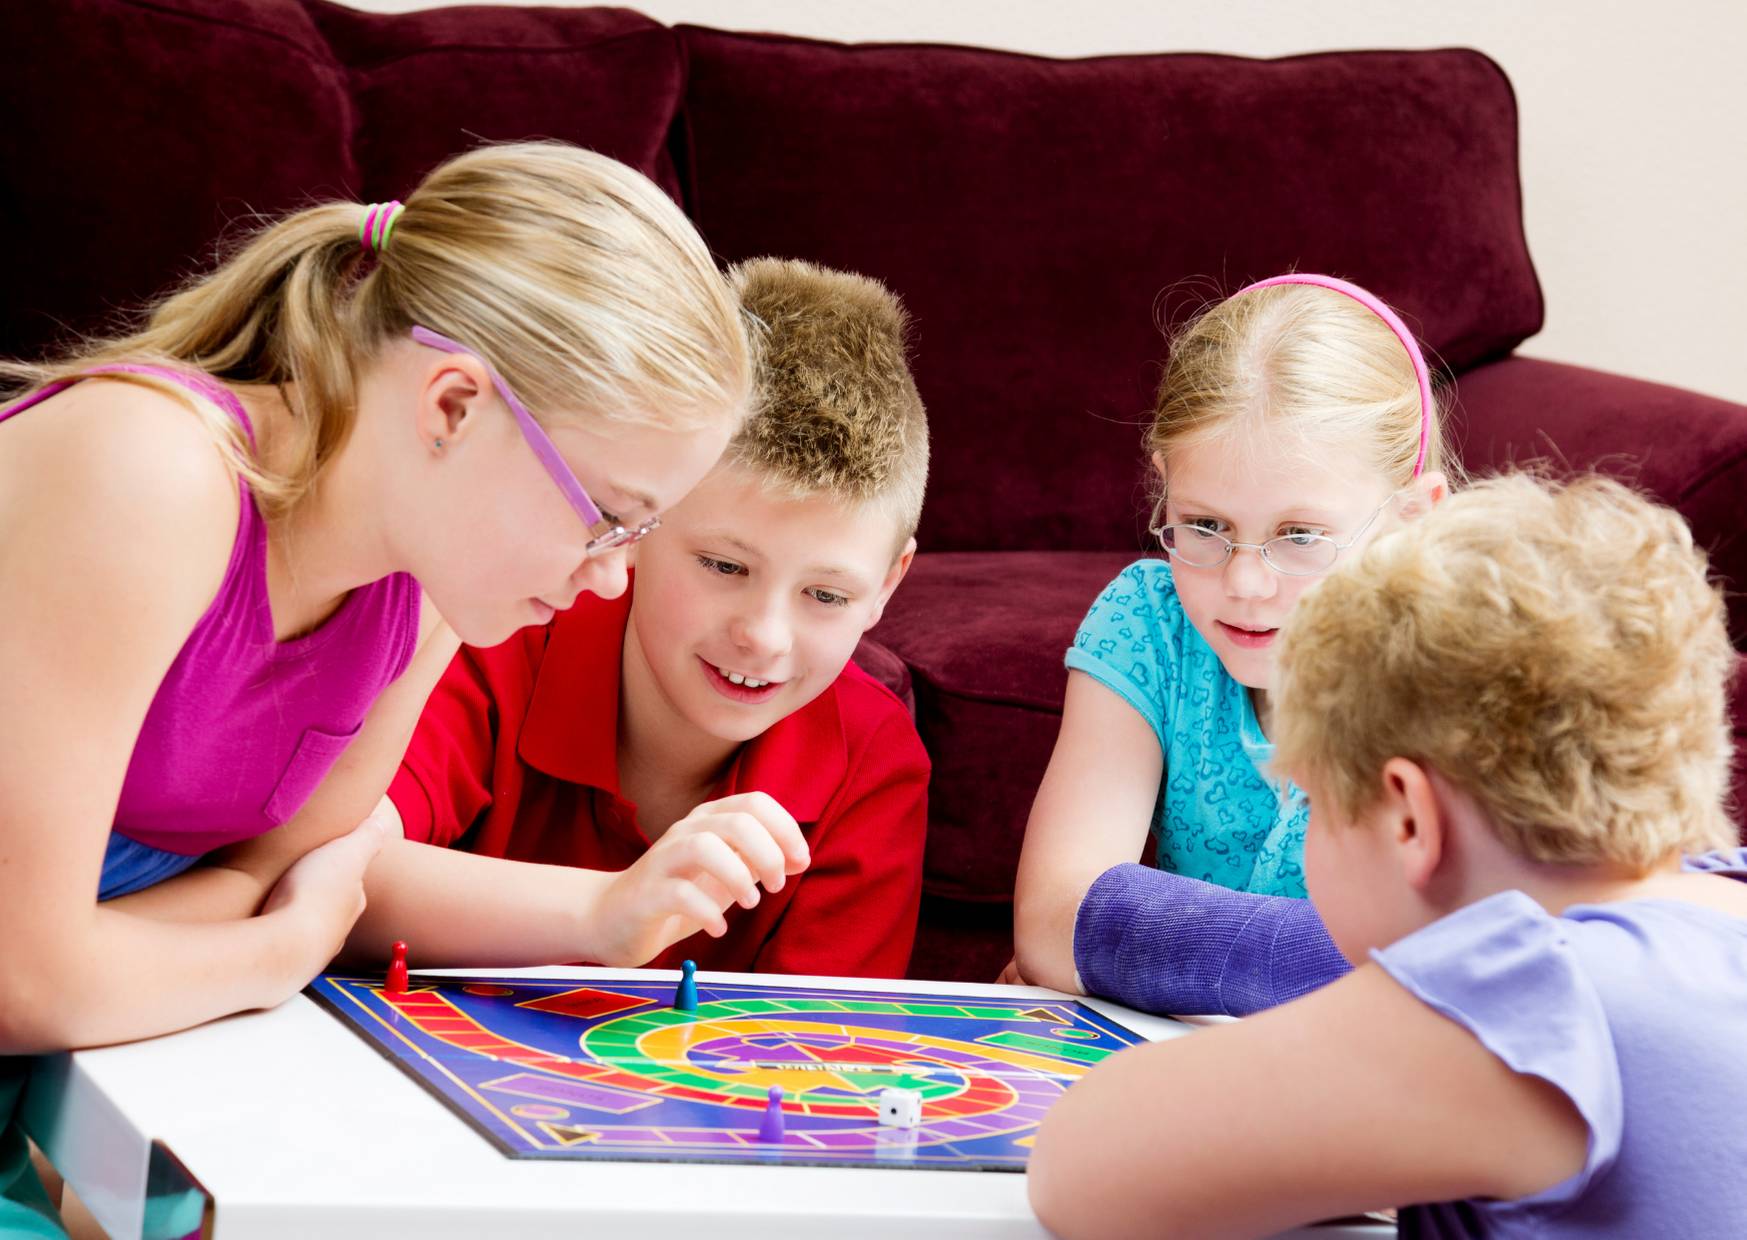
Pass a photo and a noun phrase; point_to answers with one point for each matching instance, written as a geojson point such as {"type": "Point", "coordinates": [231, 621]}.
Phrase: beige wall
{"type": "Point", "coordinates": [1634, 157]}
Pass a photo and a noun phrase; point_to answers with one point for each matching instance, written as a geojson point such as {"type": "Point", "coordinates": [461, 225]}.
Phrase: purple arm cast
{"type": "Point", "coordinates": [1160, 942]}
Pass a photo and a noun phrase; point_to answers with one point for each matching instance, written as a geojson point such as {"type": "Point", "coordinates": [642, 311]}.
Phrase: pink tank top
{"type": "Point", "coordinates": [243, 728]}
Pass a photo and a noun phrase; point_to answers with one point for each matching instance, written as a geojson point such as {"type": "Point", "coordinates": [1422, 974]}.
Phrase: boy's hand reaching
{"type": "Point", "coordinates": [718, 855]}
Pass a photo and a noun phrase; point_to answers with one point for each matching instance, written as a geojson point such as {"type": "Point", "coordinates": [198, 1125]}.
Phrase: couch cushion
{"type": "Point", "coordinates": [198, 116]}
{"type": "Point", "coordinates": [1031, 212]}
{"type": "Point", "coordinates": [883, 665]}
{"type": "Point", "coordinates": [961, 942]}
{"type": "Point", "coordinates": [137, 132]}
{"type": "Point", "coordinates": [984, 635]}
{"type": "Point", "coordinates": [428, 84]}
{"type": "Point", "coordinates": [1686, 450]}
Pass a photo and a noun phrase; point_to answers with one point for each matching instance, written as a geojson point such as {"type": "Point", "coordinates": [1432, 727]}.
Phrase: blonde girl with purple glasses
{"type": "Point", "coordinates": [239, 544]}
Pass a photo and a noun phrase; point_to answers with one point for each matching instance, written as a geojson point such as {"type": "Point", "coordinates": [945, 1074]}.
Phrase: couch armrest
{"type": "Point", "coordinates": [1686, 450]}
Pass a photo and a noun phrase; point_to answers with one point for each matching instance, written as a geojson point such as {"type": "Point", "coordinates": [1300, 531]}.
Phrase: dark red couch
{"type": "Point", "coordinates": [1036, 215]}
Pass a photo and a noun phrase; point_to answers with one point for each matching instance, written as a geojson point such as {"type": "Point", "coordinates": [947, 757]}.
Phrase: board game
{"type": "Point", "coordinates": [554, 1069]}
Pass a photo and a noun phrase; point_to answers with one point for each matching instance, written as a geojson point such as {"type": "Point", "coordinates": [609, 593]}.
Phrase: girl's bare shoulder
{"type": "Point", "coordinates": [109, 471]}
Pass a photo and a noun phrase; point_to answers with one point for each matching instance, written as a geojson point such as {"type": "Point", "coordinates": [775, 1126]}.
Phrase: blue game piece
{"type": "Point", "coordinates": [685, 999]}
{"type": "Point", "coordinates": [770, 1128]}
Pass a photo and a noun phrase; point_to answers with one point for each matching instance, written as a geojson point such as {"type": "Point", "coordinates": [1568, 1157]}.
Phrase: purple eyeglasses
{"type": "Point", "coordinates": [600, 540]}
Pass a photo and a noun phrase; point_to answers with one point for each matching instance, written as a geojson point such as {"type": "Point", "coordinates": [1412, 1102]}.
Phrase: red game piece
{"type": "Point", "coordinates": [397, 971]}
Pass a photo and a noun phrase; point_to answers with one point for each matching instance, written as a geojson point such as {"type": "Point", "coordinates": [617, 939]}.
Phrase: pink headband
{"type": "Point", "coordinates": [379, 220]}
{"type": "Point", "coordinates": [1394, 323]}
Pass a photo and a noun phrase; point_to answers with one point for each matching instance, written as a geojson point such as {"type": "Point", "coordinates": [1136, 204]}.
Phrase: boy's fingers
{"type": "Point", "coordinates": [748, 837]}
{"type": "Point", "coordinates": [714, 890]}
{"type": "Point", "coordinates": [741, 802]}
{"type": "Point", "coordinates": [776, 820]}
{"type": "Point", "coordinates": [783, 829]}
{"type": "Point", "coordinates": [710, 854]}
{"type": "Point", "coordinates": [696, 907]}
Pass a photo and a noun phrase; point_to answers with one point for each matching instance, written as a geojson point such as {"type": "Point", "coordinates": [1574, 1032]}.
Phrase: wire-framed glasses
{"type": "Point", "coordinates": [1296, 555]}
{"type": "Point", "coordinates": [605, 533]}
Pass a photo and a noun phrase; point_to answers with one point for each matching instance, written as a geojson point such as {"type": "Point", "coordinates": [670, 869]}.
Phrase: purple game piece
{"type": "Point", "coordinates": [770, 1128]}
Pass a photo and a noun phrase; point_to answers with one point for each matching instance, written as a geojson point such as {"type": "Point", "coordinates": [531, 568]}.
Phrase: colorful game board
{"type": "Point", "coordinates": [610, 1070]}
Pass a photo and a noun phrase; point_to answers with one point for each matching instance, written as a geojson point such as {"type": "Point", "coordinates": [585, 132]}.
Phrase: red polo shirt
{"type": "Point", "coordinates": [516, 756]}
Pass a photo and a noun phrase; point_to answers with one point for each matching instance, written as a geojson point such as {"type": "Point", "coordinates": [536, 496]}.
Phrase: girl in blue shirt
{"type": "Point", "coordinates": [1295, 422]}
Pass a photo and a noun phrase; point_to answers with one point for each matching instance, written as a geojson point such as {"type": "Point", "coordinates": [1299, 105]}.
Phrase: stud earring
{"type": "Point", "coordinates": [437, 444]}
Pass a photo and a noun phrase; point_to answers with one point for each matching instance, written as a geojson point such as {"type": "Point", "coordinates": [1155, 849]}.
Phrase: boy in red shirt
{"type": "Point", "coordinates": [723, 669]}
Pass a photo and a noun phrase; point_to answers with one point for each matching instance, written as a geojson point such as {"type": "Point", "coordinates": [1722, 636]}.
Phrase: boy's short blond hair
{"type": "Point", "coordinates": [1554, 650]}
{"type": "Point", "coordinates": [837, 410]}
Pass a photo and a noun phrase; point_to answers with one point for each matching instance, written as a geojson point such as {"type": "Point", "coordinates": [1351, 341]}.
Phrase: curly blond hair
{"type": "Point", "coordinates": [837, 409]}
{"type": "Point", "coordinates": [1556, 650]}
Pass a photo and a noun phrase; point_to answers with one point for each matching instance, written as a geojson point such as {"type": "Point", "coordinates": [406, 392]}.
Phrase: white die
{"type": "Point", "coordinates": [900, 1108]}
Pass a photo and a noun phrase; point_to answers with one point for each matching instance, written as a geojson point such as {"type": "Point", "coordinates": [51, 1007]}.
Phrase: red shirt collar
{"type": "Point", "coordinates": [572, 725]}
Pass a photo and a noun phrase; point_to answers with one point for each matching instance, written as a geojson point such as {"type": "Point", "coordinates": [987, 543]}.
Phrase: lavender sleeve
{"type": "Point", "coordinates": [1730, 862]}
{"type": "Point", "coordinates": [1161, 942]}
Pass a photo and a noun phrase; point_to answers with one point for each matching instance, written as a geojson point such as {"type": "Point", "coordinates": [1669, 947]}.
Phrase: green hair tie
{"type": "Point", "coordinates": [378, 225]}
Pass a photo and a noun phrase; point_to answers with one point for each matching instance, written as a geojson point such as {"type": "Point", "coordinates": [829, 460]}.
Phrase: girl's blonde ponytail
{"type": "Point", "coordinates": [573, 274]}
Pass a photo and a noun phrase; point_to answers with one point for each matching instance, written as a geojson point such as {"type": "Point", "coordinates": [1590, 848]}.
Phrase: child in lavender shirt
{"type": "Point", "coordinates": [1542, 1034]}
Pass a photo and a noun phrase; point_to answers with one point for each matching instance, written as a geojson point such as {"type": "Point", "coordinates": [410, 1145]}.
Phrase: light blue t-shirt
{"type": "Point", "coordinates": [1636, 1011]}
{"type": "Point", "coordinates": [1219, 818]}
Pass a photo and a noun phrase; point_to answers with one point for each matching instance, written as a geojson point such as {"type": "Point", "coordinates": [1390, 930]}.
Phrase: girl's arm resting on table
{"type": "Point", "coordinates": [233, 883]}
{"type": "Point", "coordinates": [119, 978]}
{"type": "Point", "coordinates": [1355, 1097]}
{"type": "Point", "coordinates": [111, 977]}
{"type": "Point", "coordinates": [1161, 942]}
{"type": "Point", "coordinates": [457, 908]}
{"type": "Point", "coordinates": [1092, 812]}
{"type": "Point", "coordinates": [116, 523]}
